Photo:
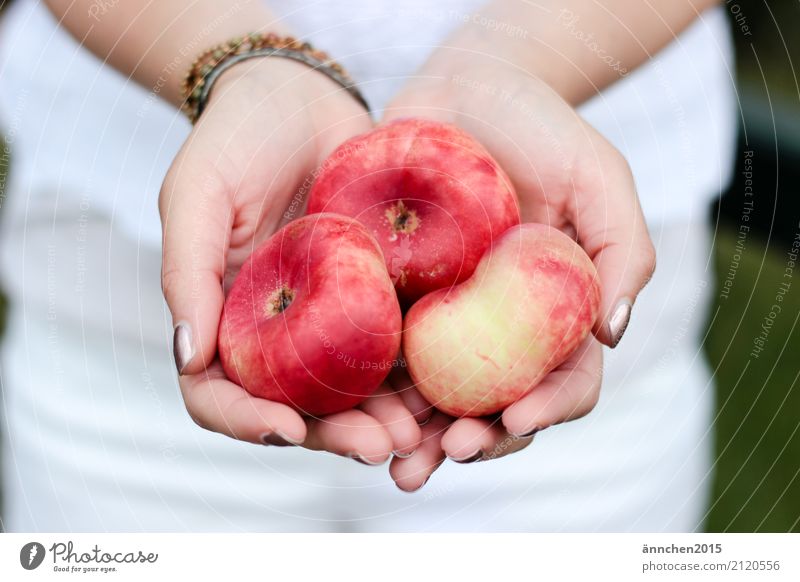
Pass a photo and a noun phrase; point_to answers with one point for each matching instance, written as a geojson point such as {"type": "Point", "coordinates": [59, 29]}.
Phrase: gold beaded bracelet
{"type": "Point", "coordinates": [212, 63]}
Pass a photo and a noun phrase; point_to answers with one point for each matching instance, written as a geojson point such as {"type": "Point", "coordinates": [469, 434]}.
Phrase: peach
{"type": "Point", "coordinates": [431, 195]}
{"type": "Point", "coordinates": [476, 348]}
{"type": "Point", "coordinates": [312, 319]}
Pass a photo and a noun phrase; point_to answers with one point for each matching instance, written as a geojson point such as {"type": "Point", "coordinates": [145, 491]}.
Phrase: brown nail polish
{"type": "Point", "coordinates": [182, 346]}
{"type": "Point", "coordinates": [476, 456]}
{"type": "Point", "coordinates": [276, 439]}
{"type": "Point", "coordinates": [619, 321]}
{"type": "Point", "coordinates": [415, 489]}
{"type": "Point", "coordinates": [527, 434]}
{"type": "Point", "coordinates": [363, 460]}
{"type": "Point", "coordinates": [425, 482]}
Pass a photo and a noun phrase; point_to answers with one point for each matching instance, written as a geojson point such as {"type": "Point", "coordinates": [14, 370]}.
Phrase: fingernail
{"type": "Point", "coordinates": [426, 421]}
{"type": "Point", "coordinates": [400, 455]}
{"type": "Point", "coordinates": [363, 460]}
{"type": "Point", "coordinates": [278, 439]}
{"type": "Point", "coordinates": [527, 434]}
{"type": "Point", "coordinates": [619, 321]}
{"type": "Point", "coordinates": [416, 489]}
{"type": "Point", "coordinates": [182, 347]}
{"type": "Point", "coordinates": [476, 456]}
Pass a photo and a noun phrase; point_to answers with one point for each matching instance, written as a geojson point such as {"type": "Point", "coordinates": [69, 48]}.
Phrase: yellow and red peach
{"type": "Point", "coordinates": [476, 348]}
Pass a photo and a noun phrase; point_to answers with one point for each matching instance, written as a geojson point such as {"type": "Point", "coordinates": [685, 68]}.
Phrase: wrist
{"type": "Point", "coordinates": [288, 85]}
{"type": "Point", "coordinates": [260, 76]}
{"type": "Point", "coordinates": [214, 62]}
{"type": "Point", "coordinates": [447, 88]}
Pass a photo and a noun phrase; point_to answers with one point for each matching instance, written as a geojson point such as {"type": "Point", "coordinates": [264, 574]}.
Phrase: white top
{"type": "Point", "coordinates": [104, 141]}
{"type": "Point", "coordinates": [96, 435]}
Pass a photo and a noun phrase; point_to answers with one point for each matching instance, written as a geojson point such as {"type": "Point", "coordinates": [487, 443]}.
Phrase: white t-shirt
{"type": "Point", "coordinates": [105, 142]}
{"type": "Point", "coordinates": [96, 433]}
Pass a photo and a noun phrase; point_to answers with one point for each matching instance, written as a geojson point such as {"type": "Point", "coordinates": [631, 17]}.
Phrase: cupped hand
{"type": "Point", "coordinates": [240, 175]}
{"type": "Point", "coordinates": [568, 176]}
{"type": "Point", "coordinates": [567, 393]}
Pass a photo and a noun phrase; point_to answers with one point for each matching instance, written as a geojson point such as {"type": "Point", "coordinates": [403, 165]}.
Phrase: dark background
{"type": "Point", "coordinates": [757, 469]}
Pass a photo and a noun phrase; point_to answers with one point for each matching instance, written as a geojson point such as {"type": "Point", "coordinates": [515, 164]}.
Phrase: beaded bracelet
{"type": "Point", "coordinates": [212, 63]}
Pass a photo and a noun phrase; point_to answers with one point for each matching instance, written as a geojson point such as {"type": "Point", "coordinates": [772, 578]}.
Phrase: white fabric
{"type": "Point", "coordinates": [96, 434]}
{"type": "Point", "coordinates": [98, 439]}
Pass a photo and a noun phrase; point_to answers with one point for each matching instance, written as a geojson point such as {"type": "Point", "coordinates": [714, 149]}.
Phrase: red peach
{"type": "Point", "coordinates": [312, 319]}
{"type": "Point", "coordinates": [431, 195]}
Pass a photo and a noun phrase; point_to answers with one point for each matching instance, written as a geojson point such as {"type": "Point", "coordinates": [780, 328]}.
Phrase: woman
{"type": "Point", "coordinates": [96, 436]}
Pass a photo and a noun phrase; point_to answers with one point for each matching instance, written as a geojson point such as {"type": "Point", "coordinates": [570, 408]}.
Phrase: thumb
{"type": "Point", "coordinates": [612, 229]}
{"type": "Point", "coordinates": [196, 219]}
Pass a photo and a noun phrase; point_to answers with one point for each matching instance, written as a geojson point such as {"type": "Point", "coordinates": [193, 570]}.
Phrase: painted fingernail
{"type": "Point", "coordinates": [527, 434]}
{"type": "Point", "coordinates": [363, 460]}
{"type": "Point", "coordinates": [476, 456]}
{"type": "Point", "coordinates": [278, 439]}
{"type": "Point", "coordinates": [416, 488]}
{"type": "Point", "coordinates": [425, 482]}
{"type": "Point", "coordinates": [182, 347]}
{"type": "Point", "coordinates": [400, 455]}
{"type": "Point", "coordinates": [619, 321]}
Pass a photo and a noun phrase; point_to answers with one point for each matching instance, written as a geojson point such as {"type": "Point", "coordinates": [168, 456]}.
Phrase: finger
{"type": "Point", "coordinates": [571, 391]}
{"type": "Point", "coordinates": [220, 406]}
{"type": "Point", "coordinates": [353, 434]}
{"type": "Point", "coordinates": [580, 181]}
{"type": "Point", "coordinates": [412, 473]}
{"type": "Point", "coordinates": [612, 229]}
{"type": "Point", "coordinates": [196, 222]}
{"type": "Point", "coordinates": [479, 439]}
{"type": "Point", "coordinates": [402, 383]}
{"type": "Point", "coordinates": [387, 407]}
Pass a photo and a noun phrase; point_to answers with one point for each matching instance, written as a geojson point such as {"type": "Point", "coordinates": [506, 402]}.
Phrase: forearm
{"type": "Point", "coordinates": [575, 46]}
{"type": "Point", "coordinates": [154, 42]}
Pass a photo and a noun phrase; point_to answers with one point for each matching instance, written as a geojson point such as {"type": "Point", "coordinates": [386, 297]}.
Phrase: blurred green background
{"type": "Point", "coordinates": [757, 478]}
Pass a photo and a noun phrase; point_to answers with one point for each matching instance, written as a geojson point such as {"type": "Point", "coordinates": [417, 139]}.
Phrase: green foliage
{"type": "Point", "coordinates": [757, 474]}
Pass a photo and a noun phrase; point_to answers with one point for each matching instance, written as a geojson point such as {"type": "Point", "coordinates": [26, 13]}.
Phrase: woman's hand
{"type": "Point", "coordinates": [268, 125]}
{"type": "Point", "coordinates": [568, 176]}
{"type": "Point", "coordinates": [567, 393]}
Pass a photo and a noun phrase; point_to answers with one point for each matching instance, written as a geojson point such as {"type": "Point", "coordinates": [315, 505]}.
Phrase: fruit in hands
{"type": "Point", "coordinates": [476, 348]}
{"type": "Point", "coordinates": [431, 195]}
{"type": "Point", "coordinates": [312, 319]}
